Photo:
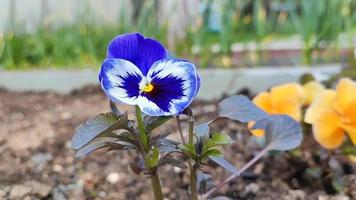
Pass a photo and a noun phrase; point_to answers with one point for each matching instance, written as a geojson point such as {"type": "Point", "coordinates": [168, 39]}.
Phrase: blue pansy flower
{"type": "Point", "coordinates": [137, 71]}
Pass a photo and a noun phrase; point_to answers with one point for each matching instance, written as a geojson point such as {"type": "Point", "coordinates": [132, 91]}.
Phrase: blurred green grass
{"type": "Point", "coordinates": [84, 43]}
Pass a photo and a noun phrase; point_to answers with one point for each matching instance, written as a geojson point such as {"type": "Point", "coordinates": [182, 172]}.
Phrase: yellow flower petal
{"type": "Point", "coordinates": [327, 132]}
{"type": "Point", "coordinates": [263, 101]}
{"type": "Point", "coordinates": [351, 131]}
{"type": "Point", "coordinates": [350, 112]}
{"type": "Point", "coordinates": [345, 93]}
{"type": "Point", "coordinates": [291, 108]}
{"type": "Point", "coordinates": [255, 132]}
{"type": "Point", "coordinates": [321, 103]}
{"type": "Point", "coordinates": [311, 90]}
{"type": "Point", "coordinates": [291, 91]}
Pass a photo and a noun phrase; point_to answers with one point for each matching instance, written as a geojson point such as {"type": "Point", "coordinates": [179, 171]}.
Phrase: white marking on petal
{"type": "Point", "coordinates": [180, 69]}
{"type": "Point", "coordinates": [112, 70]}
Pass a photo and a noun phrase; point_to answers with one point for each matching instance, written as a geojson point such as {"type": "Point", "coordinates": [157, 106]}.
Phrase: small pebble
{"type": "Point", "coordinates": [113, 177]}
{"type": "Point", "coordinates": [66, 115]}
{"type": "Point", "coordinates": [252, 188]}
{"type": "Point", "coordinates": [177, 169]}
{"type": "Point", "coordinates": [102, 194]}
{"type": "Point", "coordinates": [57, 168]}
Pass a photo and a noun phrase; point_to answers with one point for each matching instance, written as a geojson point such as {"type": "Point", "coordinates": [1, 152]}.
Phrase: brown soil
{"type": "Point", "coordinates": [36, 161]}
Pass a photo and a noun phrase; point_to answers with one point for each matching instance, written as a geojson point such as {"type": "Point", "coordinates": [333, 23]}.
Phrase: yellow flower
{"type": "Point", "coordinates": [332, 113]}
{"type": "Point", "coordinates": [283, 99]}
{"type": "Point", "coordinates": [311, 90]}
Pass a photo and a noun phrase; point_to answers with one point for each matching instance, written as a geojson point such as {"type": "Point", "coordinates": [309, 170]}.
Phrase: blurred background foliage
{"type": "Point", "coordinates": [223, 33]}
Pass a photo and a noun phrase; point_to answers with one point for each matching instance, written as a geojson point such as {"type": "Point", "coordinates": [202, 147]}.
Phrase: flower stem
{"type": "Point", "coordinates": [141, 128]}
{"type": "Point", "coordinates": [193, 169]}
{"type": "Point", "coordinates": [191, 131]}
{"type": "Point", "coordinates": [193, 182]}
{"type": "Point", "coordinates": [233, 176]}
{"type": "Point", "coordinates": [180, 130]}
{"type": "Point", "coordinates": [156, 185]}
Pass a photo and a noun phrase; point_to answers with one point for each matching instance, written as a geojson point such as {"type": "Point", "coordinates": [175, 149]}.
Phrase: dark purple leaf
{"type": "Point", "coordinates": [202, 130]}
{"type": "Point", "coordinates": [240, 108]}
{"type": "Point", "coordinates": [224, 163]}
{"type": "Point", "coordinates": [282, 132]}
{"type": "Point", "coordinates": [101, 142]}
{"type": "Point", "coordinates": [100, 124]}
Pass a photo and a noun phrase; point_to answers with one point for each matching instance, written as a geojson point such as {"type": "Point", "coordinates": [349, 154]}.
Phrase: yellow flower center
{"type": "Point", "coordinates": [148, 88]}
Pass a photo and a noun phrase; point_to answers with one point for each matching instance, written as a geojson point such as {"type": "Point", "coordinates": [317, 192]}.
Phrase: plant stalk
{"type": "Point", "coordinates": [191, 131]}
{"type": "Point", "coordinates": [233, 176]}
{"type": "Point", "coordinates": [156, 185]}
{"type": "Point", "coordinates": [193, 182]}
{"type": "Point", "coordinates": [155, 182]}
{"type": "Point", "coordinates": [180, 130]}
{"type": "Point", "coordinates": [193, 169]}
{"type": "Point", "coordinates": [141, 128]}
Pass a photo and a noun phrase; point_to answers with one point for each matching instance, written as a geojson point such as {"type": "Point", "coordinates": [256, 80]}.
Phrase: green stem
{"type": "Point", "coordinates": [141, 128]}
{"type": "Point", "coordinates": [193, 182]}
{"type": "Point", "coordinates": [193, 170]}
{"type": "Point", "coordinates": [156, 185]}
{"type": "Point", "coordinates": [191, 131]}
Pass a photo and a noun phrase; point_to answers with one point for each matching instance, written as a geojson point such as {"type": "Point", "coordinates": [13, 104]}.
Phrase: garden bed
{"type": "Point", "coordinates": [38, 163]}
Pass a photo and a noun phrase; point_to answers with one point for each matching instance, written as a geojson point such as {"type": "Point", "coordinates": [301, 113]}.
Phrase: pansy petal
{"type": "Point", "coordinates": [120, 80]}
{"type": "Point", "coordinates": [290, 108]}
{"type": "Point", "coordinates": [142, 52]}
{"type": "Point", "coordinates": [350, 111]}
{"type": "Point", "coordinates": [321, 103]}
{"type": "Point", "coordinates": [291, 91]}
{"type": "Point", "coordinates": [327, 132]}
{"type": "Point", "coordinates": [253, 131]}
{"type": "Point", "coordinates": [175, 86]}
{"type": "Point", "coordinates": [311, 90]}
{"type": "Point", "coordinates": [345, 93]}
{"type": "Point", "coordinates": [198, 84]}
{"type": "Point", "coordinates": [263, 101]}
{"type": "Point", "coordinates": [351, 131]}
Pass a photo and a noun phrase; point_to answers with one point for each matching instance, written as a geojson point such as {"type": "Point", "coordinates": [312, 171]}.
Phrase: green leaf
{"type": "Point", "coordinates": [220, 139]}
{"type": "Point", "coordinates": [100, 124]}
{"type": "Point", "coordinates": [211, 152]}
{"type": "Point", "coordinates": [154, 157]}
{"type": "Point", "coordinates": [188, 149]}
{"type": "Point", "coordinates": [152, 122]}
{"type": "Point", "coordinates": [240, 108]}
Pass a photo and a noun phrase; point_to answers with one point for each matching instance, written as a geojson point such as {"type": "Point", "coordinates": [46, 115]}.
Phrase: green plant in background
{"type": "Point", "coordinates": [148, 21]}
{"type": "Point", "coordinates": [319, 23]}
{"type": "Point", "coordinates": [229, 20]}
{"type": "Point", "coordinates": [262, 24]}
